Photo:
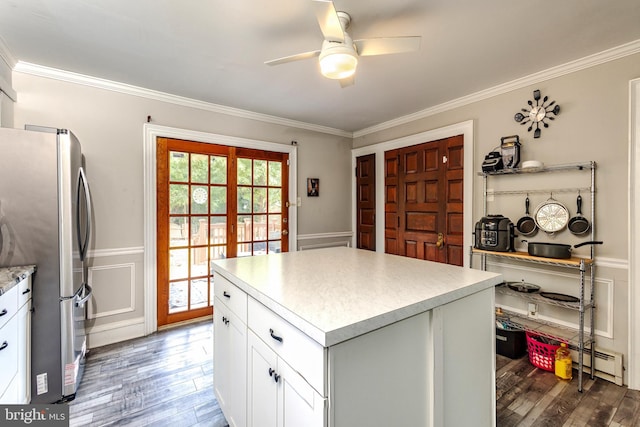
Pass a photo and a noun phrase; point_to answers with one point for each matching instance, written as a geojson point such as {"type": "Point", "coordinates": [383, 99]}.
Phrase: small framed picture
{"type": "Point", "coordinates": [313, 187]}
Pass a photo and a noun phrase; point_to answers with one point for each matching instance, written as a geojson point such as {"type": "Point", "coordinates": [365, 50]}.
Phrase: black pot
{"type": "Point", "coordinates": [554, 250]}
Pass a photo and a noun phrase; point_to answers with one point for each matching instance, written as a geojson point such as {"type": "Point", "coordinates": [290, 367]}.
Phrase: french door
{"type": "Point", "coordinates": [213, 202]}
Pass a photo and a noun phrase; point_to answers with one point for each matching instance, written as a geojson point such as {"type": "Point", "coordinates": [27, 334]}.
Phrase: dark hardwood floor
{"type": "Point", "coordinates": [528, 396]}
{"type": "Point", "coordinates": [166, 379]}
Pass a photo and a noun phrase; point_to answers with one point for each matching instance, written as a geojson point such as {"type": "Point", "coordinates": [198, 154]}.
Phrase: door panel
{"type": "Point", "coordinates": [366, 202]}
{"type": "Point", "coordinates": [424, 201]}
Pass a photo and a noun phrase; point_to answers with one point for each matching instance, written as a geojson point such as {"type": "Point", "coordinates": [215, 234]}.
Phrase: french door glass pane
{"type": "Point", "coordinates": [199, 261]}
{"type": "Point", "coordinates": [200, 199]}
{"type": "Point", "coordinates": [275, 174]}
{"type": "Point", "coordinates": [178, 166]}
{"type": "Point", "coordinates": [218, 230]}
{"type": "Point", "coordinates": [259, 227]}
{"type": "Point", "coordinates": [259, 172]}
{"type": "Point", "coordinates": [199, 293]}
{"type": "Point", "coordinates": [259, 200]}
{"type": "Point", "coordinates": [244, 249]}
{"type": "Point", "coordinates": [178, 264]}
{"type": "Point", "coordinates": [275, 200]}
{"type": "Point", "coordinates": [178, 199]}
{"type": "Point", "coordinates": [178, 295]}
{"type": "Point", "coordinates": [218, 200]}
{"type": "Point", "coordinates": [218, 170]}
{"type": "Point", "coordinates": [244, 228]}
{"type": "Point", "coordinates": [275, 227]}
{"type": "Point", "coordinates": [218, 252]}
{"type": "Point", "coordinates": [244, 172]}
{"type": "Point", "coordinates": [200, 168]}
{"type": "Point", "coordinates": [178, 231]}
{"type": "Point", "coordinates": [199, 230]}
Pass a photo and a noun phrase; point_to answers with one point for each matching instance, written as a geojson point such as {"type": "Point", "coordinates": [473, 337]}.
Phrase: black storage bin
{"type": "Point", "coordinates": [511, 343]}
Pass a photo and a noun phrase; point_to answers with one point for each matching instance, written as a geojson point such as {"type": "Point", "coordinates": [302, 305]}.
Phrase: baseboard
{"type": "Point", "coordinates": [98, 336]}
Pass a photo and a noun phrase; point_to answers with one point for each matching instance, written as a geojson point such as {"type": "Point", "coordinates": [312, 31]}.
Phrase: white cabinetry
{"type": "Point", "coordinates": [230, 351]}
{"type": "Point", "coordinates": [15, 344]}
{"type": "Point", "coordinates": [278, 396]}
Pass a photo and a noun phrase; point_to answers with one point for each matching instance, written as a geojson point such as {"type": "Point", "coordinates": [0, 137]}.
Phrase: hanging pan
{"type": "Point", "coordinates": [551, 216]}
{"type": "Point", "coordinates": [579, 225]}
{"type": "Point", "coordinates": [527, 225]}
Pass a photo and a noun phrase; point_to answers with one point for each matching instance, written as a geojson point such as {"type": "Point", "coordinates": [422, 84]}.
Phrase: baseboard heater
{"type": "Point", "coordinates": [608, 364]}
{"type": "Point", "coordinates": [326, 245]}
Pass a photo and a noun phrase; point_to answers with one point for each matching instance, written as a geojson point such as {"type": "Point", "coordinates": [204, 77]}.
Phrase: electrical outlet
{"type": "Point", "coordinates": [532, 310]}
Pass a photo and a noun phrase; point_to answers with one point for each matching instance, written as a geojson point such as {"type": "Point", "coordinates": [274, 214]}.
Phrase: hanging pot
{"type": "Point", "coordinates": [554, 250]}
{"type": "Point", "coordinates": [579, 225]}
{"type": "Point", "coordinates": [527, 225]}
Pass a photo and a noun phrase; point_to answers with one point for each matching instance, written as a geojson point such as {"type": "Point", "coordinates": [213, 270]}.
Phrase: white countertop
{"type": "Point", "coordinates": [335, 294]}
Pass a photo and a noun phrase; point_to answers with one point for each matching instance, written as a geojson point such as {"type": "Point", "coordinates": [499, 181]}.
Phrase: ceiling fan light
{"type": "Point", "coordinates": [338, 65]}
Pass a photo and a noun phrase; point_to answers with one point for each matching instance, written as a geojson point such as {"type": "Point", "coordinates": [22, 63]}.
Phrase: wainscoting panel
{"type": "Point", "coordinates": [113, 290]}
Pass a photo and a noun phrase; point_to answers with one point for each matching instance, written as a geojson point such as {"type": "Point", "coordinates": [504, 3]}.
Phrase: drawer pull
{"type": "Point", "coordinates": [26, 291]}
{"type": "Point", "coordinates": [225, 294]}
{"type": "Point", "coordinates": [272, 374]}
{"type": "Point", "coordinates": [4, 345]}
{"type": "Point", "coordinates": [275, 337]}
{"type": "Point", "coordinates": [3, 312]}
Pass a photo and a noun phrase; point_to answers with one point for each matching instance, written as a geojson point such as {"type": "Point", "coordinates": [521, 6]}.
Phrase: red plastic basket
{"type": "Point", "coordinates": [541, 355]}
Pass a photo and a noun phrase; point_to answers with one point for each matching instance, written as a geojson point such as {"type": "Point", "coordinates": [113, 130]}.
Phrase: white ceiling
{"type": "Point", "coordinates": [214, 50]}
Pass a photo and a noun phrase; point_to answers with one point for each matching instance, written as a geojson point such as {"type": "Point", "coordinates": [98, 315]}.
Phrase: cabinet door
{"type": "Point", "coordinates": [24, 353]}
{"type": "Point", "coordinates": [298, 403]}
{"type": "Point", "coordinates": [230, 364]}
{"type": "Point", "coordinates": [262, 387]}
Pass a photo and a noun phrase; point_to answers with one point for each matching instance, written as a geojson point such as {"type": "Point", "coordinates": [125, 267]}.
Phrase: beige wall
{"type": "Point", "coordinates": [593, 124]}
{"type": "Point", "coordinates": [110, 128]}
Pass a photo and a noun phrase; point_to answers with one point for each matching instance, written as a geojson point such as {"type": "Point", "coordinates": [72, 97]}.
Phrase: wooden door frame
{"type": "Point", "coordinates": [462, 128]}
{"type": "Point", "coordinates": [151, 133]}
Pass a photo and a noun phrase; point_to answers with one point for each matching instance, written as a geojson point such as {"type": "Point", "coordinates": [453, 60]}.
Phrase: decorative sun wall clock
{"type": "Point", "coordinates": [537, 114]}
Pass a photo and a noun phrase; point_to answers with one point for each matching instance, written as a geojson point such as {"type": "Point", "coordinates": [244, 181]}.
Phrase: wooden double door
{"type": "Point", "coordinates": [424, 191]}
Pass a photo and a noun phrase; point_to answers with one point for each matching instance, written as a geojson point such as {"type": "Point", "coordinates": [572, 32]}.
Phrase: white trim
{"type": "Point", "coordinates": [6, 55]}
{"type": "Point", "coordinates": [116, 252]}
{"type": "Point", "coordinates": [620, 264]}
{"type": "Point", "coordinates": [150, 133]}
{"type": "Point", "coordinates": [115, 332]}
{"type": "Point", "coordinates": [325, 235]}
{"type": "Point", "coordinates": [81, 79]}
{"type": "Point", "coordinates": [634, 235]}
{"type": "Point", "coordinates": [612, 54]}
{"type": "Point", "coordinates": [462, 128]}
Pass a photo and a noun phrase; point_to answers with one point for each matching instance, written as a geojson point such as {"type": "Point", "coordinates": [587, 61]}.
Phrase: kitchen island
{"type": "Point", "coordinates": [346, 337]}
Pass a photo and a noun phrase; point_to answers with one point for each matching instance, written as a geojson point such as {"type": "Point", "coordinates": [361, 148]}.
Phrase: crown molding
{"type": "Point", "coordinates": [81, 79]}
{"type": "Point", "coordinates": [612, 54]}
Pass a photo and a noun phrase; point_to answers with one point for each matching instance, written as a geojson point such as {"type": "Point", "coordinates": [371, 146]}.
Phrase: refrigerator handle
{"type": "Point", "coordinates": [86, 297]}
{"type": "Point", "coordinates": [83, 241]}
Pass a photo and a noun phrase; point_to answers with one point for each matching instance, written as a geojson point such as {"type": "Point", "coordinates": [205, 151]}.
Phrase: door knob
{"type": "Point", "coordinates": [285, 232]}
{"type": "Point", "coordinates": [440, 242]}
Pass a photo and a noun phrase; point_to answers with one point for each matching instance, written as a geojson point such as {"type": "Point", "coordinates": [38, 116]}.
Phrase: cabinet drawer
{"type": "Point", "coordinates": [232, 296]}
{"type": "Point", "coordinates": [8, 305]}
{"type": "Point", "coordinates": [302, 353]}
{"type": "Point", "coordinates": [8, 354]}
{"type": "Point", "coordinates": [24, 291]}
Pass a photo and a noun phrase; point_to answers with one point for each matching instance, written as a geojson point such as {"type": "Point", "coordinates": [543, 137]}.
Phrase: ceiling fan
{"type": "Point", "coordinates": [339, 54]}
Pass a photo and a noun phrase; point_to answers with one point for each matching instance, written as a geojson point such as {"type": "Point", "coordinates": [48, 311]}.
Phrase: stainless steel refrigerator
{"type": "Point", "coordinates": [45, 219]}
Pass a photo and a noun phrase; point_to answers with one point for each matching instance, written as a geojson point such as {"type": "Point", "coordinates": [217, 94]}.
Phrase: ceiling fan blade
{"type": "Point", "coordinates": [328, 20]}
{"type": "Point", "coordinates": [297, 57]}
{"type": "Point", "coordinates": [386, 45]}
{"type": "Point", "coordinates": [349, 81]}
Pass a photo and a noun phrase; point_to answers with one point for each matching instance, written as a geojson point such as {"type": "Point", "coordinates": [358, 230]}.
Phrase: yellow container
{"type": "Point", "coordinates": [564, 364]}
